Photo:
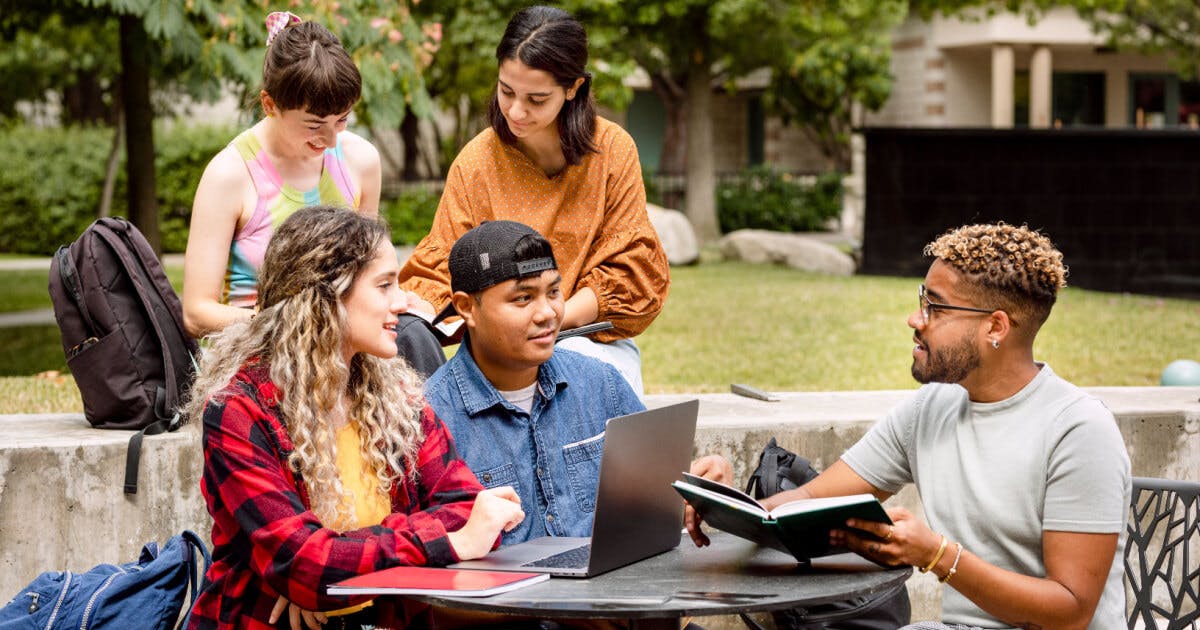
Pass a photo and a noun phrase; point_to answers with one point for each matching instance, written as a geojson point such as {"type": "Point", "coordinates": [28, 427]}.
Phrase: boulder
{"type": "Point", "coordinates": [676, 233]}
{"type": "Point", "coordinates": [800, 251]}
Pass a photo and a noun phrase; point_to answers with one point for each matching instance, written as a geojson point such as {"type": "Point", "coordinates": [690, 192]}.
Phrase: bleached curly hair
{"type": "Point", "coordinates": [1017, 269]}
{"type": "Point", "coordinates": [298, 334]}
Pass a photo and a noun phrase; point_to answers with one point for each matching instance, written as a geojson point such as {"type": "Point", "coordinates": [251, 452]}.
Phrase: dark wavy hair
{"type": "Point", "coordinates": [551, 40]}
{"type": "Point", "coordinates": [307, 68]}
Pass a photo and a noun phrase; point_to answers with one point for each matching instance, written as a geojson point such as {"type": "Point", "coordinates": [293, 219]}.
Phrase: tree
{"type": "Point", "coordinates": [1155, 27]}
{"type": "Point", "coordinates": [839, 62]}
{"type": "Point", "coordinates": [684, 46]}
{"type": "Point", "coordinates": [690, 47]}
{"type": "Point", "coordinates": [194, 47]}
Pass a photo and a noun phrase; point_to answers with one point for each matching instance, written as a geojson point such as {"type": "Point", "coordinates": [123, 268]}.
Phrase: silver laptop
{"type": "Point", "coordinates": [637, 514]}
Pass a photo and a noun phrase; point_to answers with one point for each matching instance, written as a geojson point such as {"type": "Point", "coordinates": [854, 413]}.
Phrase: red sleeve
{"type": "Point", "coordinates": [252, 493]}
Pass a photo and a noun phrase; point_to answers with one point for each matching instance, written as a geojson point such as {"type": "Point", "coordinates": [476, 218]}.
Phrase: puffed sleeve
{"type": "Point", "coordinates": [626, 266]}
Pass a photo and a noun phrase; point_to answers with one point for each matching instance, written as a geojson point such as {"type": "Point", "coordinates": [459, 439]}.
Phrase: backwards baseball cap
{"type": "Point", "coordinates": [487, 255]}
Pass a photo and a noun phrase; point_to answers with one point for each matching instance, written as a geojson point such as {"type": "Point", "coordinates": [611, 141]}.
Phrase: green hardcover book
{"type": "Point", "coordinates": [800, 528]}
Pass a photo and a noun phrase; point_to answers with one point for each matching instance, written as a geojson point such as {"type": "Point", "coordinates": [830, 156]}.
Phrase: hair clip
{"type": "Point", "coordinates": [278, 21]}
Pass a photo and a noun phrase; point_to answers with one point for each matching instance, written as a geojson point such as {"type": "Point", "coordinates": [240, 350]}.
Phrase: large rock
{"type": "Point", "coordinates": [676, 234]}
{"type": "Point", "coordinates": [794, 250]}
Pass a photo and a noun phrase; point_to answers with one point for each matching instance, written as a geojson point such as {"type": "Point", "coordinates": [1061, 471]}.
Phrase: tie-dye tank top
{"type": "Point", "coordinates": [276, 202]}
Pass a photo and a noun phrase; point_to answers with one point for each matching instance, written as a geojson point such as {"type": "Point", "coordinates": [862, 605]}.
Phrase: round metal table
{"type": "Point", "coordinates": [730, 576]}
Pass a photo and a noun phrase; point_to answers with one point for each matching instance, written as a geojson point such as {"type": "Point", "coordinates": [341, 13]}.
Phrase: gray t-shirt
{"type": "Point", "coordinates": [994, 476]}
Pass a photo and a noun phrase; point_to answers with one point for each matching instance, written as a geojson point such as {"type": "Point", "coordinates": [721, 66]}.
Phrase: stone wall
{"type": "Point", "coordinates": [61, 504]}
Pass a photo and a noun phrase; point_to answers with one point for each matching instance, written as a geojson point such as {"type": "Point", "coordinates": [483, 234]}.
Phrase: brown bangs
{"type": "Point", "coordinates": [307, 68]}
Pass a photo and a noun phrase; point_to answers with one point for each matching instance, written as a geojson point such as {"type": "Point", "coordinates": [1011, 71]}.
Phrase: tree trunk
{"type": "Point", "coordinates": [701, 177]}
{"type": "Point", "coordinates": [393, 162]}
{"type": "Point", "coordinates": [410, 135]}
{"type": "Point", "coordinates": [139, 129]}
{"type": "Point", "coordinates": [672, 161]}
{"type": "Point", "coordinates": [110, 170]}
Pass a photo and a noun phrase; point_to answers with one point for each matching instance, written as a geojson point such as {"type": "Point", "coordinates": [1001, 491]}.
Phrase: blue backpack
{"type": "Point", "coordinates": [149, 593]}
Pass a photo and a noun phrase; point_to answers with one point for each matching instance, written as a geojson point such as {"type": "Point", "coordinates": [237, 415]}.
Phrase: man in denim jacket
{"type": "Point", "coordinates": [522, 413]}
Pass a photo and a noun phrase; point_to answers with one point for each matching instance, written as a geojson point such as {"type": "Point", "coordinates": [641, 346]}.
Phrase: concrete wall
{"type": "Point", "coordinates": [61, 505]}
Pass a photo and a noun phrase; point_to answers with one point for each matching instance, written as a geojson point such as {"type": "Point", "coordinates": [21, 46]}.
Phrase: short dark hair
{"type": "Point", "coordinates": [551, 40]}
{"type": "Point", "coordinates": [307, 68]}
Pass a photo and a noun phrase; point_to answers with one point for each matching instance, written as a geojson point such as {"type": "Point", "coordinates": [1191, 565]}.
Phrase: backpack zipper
{"type": "Point", "coordinates": [87, 611]}
{"type": "Point", "coordinates": [58, 604]}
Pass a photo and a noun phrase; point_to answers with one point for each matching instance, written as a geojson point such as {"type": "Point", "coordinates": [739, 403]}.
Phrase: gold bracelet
{"type": "Point", "coordinates": [936, 557]}
{"type": "Point", "coordinates": [953, 567]}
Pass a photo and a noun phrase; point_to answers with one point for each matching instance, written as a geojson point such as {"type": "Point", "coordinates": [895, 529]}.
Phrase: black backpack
{"type": "Point", "coordinates": [778, 470]}
{"type": "Point", "coordinates": [122, 332]}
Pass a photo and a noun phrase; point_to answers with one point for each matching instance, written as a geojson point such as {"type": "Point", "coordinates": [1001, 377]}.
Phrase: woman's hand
{"type": "Point", "coordinates": [299, 618]}
{"type": "Point", "coordinates": [715, 468]}
{"type": "Point", "coordinates": [495, 510]}
{"type": "Point", "coordinates": [906, 541]}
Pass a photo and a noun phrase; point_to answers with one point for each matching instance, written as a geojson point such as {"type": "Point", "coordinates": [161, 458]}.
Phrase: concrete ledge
{"type": "Point", "coordinates": [61, 505]}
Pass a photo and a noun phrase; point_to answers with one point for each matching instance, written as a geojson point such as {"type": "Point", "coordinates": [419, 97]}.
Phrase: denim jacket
{"type": "Point", "coordinates": [551, 456]}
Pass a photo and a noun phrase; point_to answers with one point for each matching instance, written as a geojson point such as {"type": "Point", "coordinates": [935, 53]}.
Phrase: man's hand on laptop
{"type": "Point", "coordinates": [715, 468]}
{"type": "Point", "coordinates": [495, 510]}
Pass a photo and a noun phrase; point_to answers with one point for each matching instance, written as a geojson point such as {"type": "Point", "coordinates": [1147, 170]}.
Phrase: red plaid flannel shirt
{"type": "Point", "coordinates": [265, 540]}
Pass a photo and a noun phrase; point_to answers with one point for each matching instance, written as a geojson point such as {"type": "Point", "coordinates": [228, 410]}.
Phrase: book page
{"type": "Point", "coordinates": [826, 503]}
{"type": "Point", "coordinates": [729, 491]}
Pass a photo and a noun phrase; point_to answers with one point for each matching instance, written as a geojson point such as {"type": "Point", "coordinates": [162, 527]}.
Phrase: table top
{"type": "Point", "coordinates": [731, 576]}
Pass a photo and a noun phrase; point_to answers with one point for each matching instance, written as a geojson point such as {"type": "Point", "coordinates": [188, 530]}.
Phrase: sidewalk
{"type": "Point", "coordinates": [45, 316]}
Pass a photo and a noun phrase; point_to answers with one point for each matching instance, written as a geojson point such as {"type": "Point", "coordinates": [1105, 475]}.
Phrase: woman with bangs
{"type": "Point", "coordinates": [298, 155]}
{"type": "Point", "coordinates": [321, 459]}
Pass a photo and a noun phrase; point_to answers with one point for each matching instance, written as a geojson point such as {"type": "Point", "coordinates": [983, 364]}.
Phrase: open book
{"type": "Point", "coordinates": [800, 528]}
{"type": "Point", "coordinates": [434, 581]}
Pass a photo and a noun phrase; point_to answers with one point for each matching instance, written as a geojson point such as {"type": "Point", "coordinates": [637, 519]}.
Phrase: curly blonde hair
{"type": "Point", "coordinates": [1016, 268]}
{"type": "Point", "coordinates": [298, 334]}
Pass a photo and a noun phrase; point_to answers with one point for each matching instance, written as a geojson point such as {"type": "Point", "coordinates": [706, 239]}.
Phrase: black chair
{"type": "Point", "coordinates": [1162, 556]}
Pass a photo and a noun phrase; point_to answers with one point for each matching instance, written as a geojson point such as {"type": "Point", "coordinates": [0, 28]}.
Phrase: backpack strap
{"type": "Point", "coordinates": [122, 237]}
{"type": "Point", "coordinates": [70, 281]}
{"type": "Point", "coordinates": [196, 575]}
{"type": "Point", "coordinates": [164, 424]}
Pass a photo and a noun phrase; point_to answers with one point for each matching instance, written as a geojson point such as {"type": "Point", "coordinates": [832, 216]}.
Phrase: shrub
{"type": "Point", "coordinates": [763, 198]}
{"type": "Point", "coordinates": [410, 214]}
{"type": "Point", "coordinates": [50, 186]}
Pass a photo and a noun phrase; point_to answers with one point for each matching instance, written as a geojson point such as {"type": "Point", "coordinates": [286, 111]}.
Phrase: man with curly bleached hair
{"type": "Point", "coordinates": [1024, 478]}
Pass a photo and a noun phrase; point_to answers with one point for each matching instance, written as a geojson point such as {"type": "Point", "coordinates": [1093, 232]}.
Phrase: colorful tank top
{"type": "Point", "coordinates": [276, 202]}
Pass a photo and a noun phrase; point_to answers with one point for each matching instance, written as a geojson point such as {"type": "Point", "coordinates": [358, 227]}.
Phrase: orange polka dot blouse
{"type": "Point", "coordinates": [593, 213]}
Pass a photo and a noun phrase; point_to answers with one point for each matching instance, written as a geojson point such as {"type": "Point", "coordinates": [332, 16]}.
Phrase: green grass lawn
{"type": "Point", "coordinates": [777, 329]}
{"type": "Point", "coordinates": [24, 290]}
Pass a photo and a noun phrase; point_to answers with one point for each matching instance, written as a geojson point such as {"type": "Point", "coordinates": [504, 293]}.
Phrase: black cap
{"type": "Point", "coordinates": [486, 256]}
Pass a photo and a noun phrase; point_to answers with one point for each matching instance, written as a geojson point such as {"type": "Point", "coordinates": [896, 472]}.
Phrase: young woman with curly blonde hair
{"type": "Point", "coordinates": [322, 460]}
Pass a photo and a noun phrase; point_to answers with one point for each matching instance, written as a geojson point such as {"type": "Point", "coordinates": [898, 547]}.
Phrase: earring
{"type": "Point", "coordinates": [996, 344]}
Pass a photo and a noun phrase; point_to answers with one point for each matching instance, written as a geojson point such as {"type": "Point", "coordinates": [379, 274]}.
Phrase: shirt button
{"type": "Point", "coordinates": [550, 517]}
{"type": "Point", "coordinates": [539, 472]}
{"type": "Point", "coordinates": [487, 478]}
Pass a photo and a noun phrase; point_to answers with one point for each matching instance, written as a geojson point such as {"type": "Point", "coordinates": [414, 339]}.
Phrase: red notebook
{"type": "Point", "coordinates": [432, 581]}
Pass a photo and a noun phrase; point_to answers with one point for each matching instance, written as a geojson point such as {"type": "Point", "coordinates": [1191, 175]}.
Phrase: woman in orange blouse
{"type": "Point", "coordinates": [550, 162]}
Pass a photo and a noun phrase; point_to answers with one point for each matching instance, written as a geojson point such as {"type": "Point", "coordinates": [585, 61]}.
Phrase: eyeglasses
{"type": "Point", "coordinates": [928, 306]}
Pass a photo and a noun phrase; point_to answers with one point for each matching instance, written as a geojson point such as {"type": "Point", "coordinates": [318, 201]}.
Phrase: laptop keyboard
{"type": "Point", "coordinates": [576, 558]}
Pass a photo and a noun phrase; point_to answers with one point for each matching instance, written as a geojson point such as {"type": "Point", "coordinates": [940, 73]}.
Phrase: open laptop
{"type": "Point", "coordinates": [637, 512]}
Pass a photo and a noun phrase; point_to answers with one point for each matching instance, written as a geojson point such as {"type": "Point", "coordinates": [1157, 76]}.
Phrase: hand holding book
{"type": "Point", "coordinates": [800, 528]}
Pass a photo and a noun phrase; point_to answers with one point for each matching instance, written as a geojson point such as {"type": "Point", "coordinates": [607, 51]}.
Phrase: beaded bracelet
{"type": "Point", "coordinates": [936, 557]}
{"type": "Point", "coordinates": [954, 567]}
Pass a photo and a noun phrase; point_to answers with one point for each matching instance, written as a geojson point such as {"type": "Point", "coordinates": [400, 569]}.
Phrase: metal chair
{"type": "Point", "coordinates": [1162, 556]}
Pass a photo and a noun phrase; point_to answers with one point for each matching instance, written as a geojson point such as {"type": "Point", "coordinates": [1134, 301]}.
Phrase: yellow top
{"type": "Point", "coordinates": [370, 507]}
